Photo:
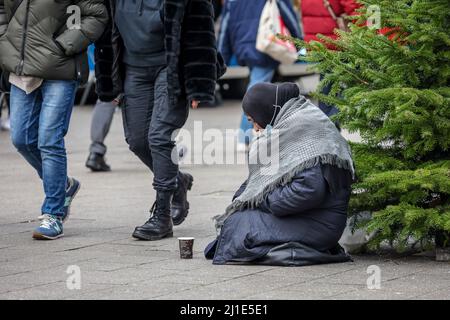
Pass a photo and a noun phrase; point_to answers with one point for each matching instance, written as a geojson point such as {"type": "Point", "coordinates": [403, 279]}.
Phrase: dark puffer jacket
{"type": "Point", "coordinates": [38, 42]}
{"type": "Point", "coordinates": [193, 63]}
{"type": "Point", "coordinates": [297, 224]}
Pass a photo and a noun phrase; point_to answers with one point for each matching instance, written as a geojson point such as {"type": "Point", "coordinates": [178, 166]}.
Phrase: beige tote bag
{"type": "Point", "coordinates": [271, 24]}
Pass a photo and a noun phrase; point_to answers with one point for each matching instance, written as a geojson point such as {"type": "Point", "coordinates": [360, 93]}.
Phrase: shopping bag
{"type": "Point", "coordinates": [270, 26]}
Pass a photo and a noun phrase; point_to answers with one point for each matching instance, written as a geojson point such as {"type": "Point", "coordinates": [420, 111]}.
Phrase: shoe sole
{"type": "Point", "coordinates": [96, 169]}
{"type": "Point", "coordinates": [142, 236]}
{"type": "Point", "coordinates": [39, 236]}
{"type": "Point", "coordinates": [189, 187]}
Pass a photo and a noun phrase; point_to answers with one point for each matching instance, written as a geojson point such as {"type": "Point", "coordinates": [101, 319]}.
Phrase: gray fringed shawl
{"type": "Point", "coordinates": [301, 138]}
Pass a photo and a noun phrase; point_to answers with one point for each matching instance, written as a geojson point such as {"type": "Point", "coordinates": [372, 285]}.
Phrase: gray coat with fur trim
{"type": "Point", "coordinates": [193, 62]}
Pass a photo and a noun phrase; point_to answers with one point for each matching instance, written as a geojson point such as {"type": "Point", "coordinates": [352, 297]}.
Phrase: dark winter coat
{"type": "Point", "coordinates": [193, 63]}
{"type": "Point", "coordinates": [297, 224]}
{"type": "Point", "coordinates": [239, 29]}
{"type": "Point", "coordinates": [38, 42]}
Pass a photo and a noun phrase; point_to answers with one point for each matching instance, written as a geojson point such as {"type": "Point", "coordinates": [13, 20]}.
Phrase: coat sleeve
{"type": "Point", "coordinates": [305, 192]}
{"type": "Point", "coordinates": [199, 51]}
{"type": "Point", "coordinates": [94, 18]}
{"type": "Point", "coordinates": [290, 18]}
{"type": "Point", "coordinates": [224, 35]}
{"type": "Point", "coordinates": [3, 18]}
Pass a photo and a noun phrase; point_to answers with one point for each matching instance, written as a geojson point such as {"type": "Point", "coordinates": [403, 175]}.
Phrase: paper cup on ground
{"type": "Point", "coordinates": [186, 247]}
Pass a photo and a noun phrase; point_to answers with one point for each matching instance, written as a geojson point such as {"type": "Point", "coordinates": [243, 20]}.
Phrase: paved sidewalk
{"type": "Point", "coordinates": [114, 266]}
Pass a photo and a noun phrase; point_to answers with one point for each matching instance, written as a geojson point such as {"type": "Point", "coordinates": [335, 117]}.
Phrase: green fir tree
{"type": "Point", "coordinates": [390, 83]}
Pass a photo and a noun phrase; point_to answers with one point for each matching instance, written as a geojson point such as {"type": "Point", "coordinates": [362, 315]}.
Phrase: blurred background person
{"type": "Point", "coordinates": [106, 105]}
{"type": "Point", "coordinates": [320, 17]}
{"type": "Point", "coordinates": [317, 17]}
{"type": "Point", "coordinates": [237, 38]}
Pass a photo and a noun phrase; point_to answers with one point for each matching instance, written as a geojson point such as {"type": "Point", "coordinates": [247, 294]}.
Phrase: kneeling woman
{"type": "Point", "coordinates": [293, 210]}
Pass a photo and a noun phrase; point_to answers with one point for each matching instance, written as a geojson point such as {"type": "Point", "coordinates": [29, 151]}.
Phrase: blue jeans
{"type": "Point", "coordinates": [39, 123]}
{"type": "Point", "coordinates": [257, 75]}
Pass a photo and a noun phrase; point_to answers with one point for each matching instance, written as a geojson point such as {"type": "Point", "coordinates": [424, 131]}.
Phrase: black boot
{"type": "Point", "coordinates": [180, 205]}
{"type": "Point", "coordinates": [159, 225]}
{"type": "Point", "coordinates": [96, 162]}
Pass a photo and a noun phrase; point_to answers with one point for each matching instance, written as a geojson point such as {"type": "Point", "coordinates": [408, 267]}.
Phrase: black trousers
{"type": "Point", "coordinates": [149, 122]}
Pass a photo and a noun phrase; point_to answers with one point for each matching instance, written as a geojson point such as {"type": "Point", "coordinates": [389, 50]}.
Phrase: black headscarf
{"type": "Point", "coordinates": [262, 103]}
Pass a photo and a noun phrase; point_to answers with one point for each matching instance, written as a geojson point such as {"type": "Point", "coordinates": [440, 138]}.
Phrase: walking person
{"type": "Point", "coordinates": [238, 33]}
{"type": "Point", "coordinates": [164, 60]}
{"type": "Point", "coordinates": [47, 61]}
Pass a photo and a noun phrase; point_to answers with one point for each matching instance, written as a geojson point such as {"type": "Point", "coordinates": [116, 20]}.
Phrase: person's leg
{"type": "Point", "coordinates": [137, 112]}
{"type": "Point", "coordinates": [165, 120]}
{"type": "Point", "coordinates": [57, 104]}
{"type": "Point", "coordinates": [257, 75]}
{"type": "Point", "coordinates": [101, 123]}
{"type": "Point", "coordinates": [25, 111]}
